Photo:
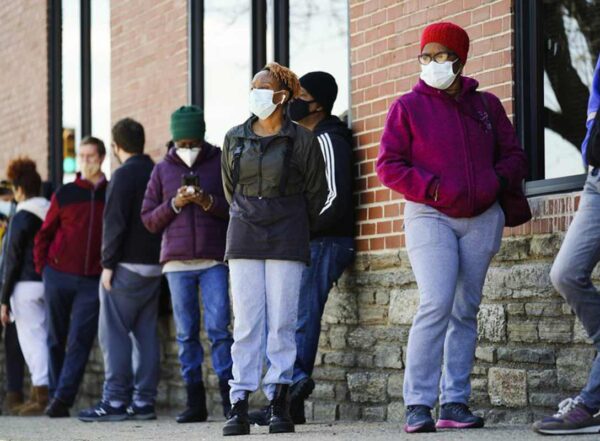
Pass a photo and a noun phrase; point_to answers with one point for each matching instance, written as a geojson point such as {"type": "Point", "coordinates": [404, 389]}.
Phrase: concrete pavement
{"type": "Point", "coordinates": [165, 429]}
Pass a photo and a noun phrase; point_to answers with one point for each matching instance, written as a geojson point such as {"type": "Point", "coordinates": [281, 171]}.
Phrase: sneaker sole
{"type": "Point", "coordinates": [580, 431]}
{"type": "Point", "coordinates": [104, 419]}
{"type": "Point", "coordinates": [450, 424]}
{"type": "Point", "coordinates": [425, 428]}
{"type": "Point", "coordinates": [236, 431]}
{"type": "Point", "coordinates": [142, 417]}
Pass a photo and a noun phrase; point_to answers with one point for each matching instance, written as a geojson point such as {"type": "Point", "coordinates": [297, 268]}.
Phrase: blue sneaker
{"type": "Point", "coordinates": [458, 416]}
{"type": "Point", "coordinates": [103, 412]}
{"type": "Point", "coordinates": [418, 419]}
{"type": "Point", "coordinates": [141, 413]}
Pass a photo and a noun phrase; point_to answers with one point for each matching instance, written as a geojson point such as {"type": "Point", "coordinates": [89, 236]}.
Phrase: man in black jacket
{"type": "Point", "coordinates": [129, 288]}
{"type": "Point", "coordinates": [332, 243]}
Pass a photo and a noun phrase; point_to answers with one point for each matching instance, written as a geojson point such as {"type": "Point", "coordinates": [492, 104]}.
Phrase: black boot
{"type": "Point", "coordinates": [196, 405]}
{"type": "Point", "coordinates": [297, 411]}
{"type": "Point", "coordinates": [237, 421]}
{"type": "Point", "coordinates": [224, 389]}
{"type": "Point", "coordinates": [260, 417]}
{"type": "Point", "coordinates": [281, 421]}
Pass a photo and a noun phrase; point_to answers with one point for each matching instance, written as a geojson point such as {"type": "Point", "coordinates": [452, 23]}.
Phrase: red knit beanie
{"type": "Point", "coordinates": [450, 35]}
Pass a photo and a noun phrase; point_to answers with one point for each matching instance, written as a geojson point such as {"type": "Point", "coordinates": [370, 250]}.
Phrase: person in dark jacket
{"type": "Point", "coordinates": [129, 289]}
{"type": "Point", "coordinates": [450, 150]}
{"type": "Point", "coordinates": [67, 254]}
{"type": "Point", "coordinates": [22, 288]}
{"type": "Point", "coordinates": [13, 356]}
{"type": "Point", "coordinates": [332, 240]}
{"type": "Point", "coordinates": [274, 178]}
{"type": "Point", "coordinates": [185, 202]}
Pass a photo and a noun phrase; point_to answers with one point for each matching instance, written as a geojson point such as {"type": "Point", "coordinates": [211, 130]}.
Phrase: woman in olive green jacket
{"type": "Point", "coordinates": [274, 179]}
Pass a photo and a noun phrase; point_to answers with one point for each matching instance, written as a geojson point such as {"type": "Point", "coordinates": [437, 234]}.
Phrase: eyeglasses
{"type": "Point", "coordinates": [188, 145]}
{"type": "Point", "coordinates": [440, 57]}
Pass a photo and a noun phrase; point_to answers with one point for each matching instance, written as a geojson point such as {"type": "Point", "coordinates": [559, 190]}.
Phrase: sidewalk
{"type": "Point", "coordinates": [45, 429]}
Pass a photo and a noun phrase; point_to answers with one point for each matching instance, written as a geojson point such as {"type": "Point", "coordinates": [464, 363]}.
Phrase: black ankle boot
{"type": "Point", "coordinates": [224, 390]}
{"type": "Point", "coordinates": [196, 405]}
{"type": "Point", "coordinates": [297, 411]}
{"type": "Point", "coordinates": [237, 421]}
{"type": "Point", "coordinates": [281, 421]}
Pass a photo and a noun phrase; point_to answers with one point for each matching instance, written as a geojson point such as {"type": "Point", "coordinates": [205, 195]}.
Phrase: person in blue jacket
{"type": "Point", "coordinates": [571, 276]}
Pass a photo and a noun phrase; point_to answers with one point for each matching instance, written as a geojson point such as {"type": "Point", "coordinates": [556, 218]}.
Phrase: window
{"type": "Point", "coordinates": [557, 50]}
{"type": "Point", "coordinates": [319, 41]}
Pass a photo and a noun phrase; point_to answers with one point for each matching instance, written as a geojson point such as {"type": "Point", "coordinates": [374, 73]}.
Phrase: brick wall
{"type": "Point", "coordinates": [149, 67]}
{"type": "Point", "coordinates": [384, 39]}
{"type": "Point", "coordinates": [23, 83]}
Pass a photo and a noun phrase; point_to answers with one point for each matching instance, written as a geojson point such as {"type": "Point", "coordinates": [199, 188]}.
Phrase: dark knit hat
{"type": "Point", "coordinates": [187, 122]}
{"type": "Point", "coordinates": [450, 35]}
{"type": "Point", "coordinates": [322, 87]}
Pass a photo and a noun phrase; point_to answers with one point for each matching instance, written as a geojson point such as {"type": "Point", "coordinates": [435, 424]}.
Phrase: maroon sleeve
{"type": "Point", "coordinates": [394, 167]}
{"type": "Point", "coordinates": [45, 235]}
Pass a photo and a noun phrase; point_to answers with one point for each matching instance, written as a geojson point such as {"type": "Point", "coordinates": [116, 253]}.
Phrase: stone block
{"type": "Point", "coordinates": [382, 297]}
{"type": "Point", "coordinates": [515, 309]}
{"type": "Point", "coordinates": [337, 337]}
{"type": "Point", "coordinates": [487, 354]}
{"type": "Point", "coordinates": [555, 330]}
{"type": "Point", "coordinates": [341, 308]}
{"type": "Point", "coordinates": [527, 355]}
{"type": "Point", "coordinates": [541, 309]}
{"type": "Point", "coordinates": [388, 356]}
{"type": "Point", "coordinates": [507, 387]}
{"type": "Point", "coordinates": [546, 245]}
{"type": "Point", "coordinates": [365, 360]}
{"type": "Point", "coordinates": [349, 412]}
{"type": "Point", "coordinates": [573, 366]}
{"type": "Point", "coordinates": [325, 412]}
{"type": "Point", "coordinates": [519, 282]}
{"type": "Point", "coordinates": [374, 413]}
{"type": "Point", "coordinates": [545, 379]}
{"type": "Point", "coordinates": [580, 335]}
{"type": "Point", "coordinates": [403, 306]}
{"type": "Point", "coordinates": [341, 392]}
{"type": "Point", "coordinates": [367, 387]}
{"type": "Point", "coordinates": [396, 412]}
{"type": "Point", "coordinates": [512, 249]}
{"type": "Point", "coordinates": [395, 385]}
{"type": "Point", "coordinates": [508, 417]}
{"type": "Point", "coordinates": [323, 391]}
{"type": "Point", "coordinates": [346, 359]}
{"type": "Point", "coordinates": [372, 315]}
{"type": "Point", "coordinates": [329, 373]}
{"type": "Point", "coordinates": [522, 331]}
{"type": "Point", "coordinates": [542, 399]}
{"type": "Point", "coordinates": [491, 323]}
{"type": "Point", "coordinates": [361, 338]}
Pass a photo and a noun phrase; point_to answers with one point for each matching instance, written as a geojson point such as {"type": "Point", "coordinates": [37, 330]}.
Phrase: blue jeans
{"type": "Point", "coordinates": [213, 283]}
{"type": "Point", "coordinates": [450, 259]}
{"type": "Point", "coordinates": [571, 275]}
{"type": "Point", "coordinates": [329, 257]}
{"type": "Point", "coordinates": [72, 307]}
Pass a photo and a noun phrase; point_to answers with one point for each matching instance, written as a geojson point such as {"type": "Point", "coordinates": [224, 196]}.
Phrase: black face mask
{"type": "Point", "coordinates": [298, 109]}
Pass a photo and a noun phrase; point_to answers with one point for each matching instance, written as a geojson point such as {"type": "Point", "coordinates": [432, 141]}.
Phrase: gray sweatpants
{"type": "Point", "coordinates": [128, 325]}
{"type": "Point", "coordinates": [572, 275]}
{"type": "Point", "coordinates": [265, 309]}
{"type": "Point", "coordinates": [450, 258]}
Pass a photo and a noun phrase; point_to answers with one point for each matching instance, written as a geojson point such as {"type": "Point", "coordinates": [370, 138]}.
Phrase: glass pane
{"type": "Point", "coordinates": [71, 84]}
{"type": "Point", "coordinates": [100, 32]}
{"type": "Point", "coordinates": [571, 47]}
{"type": "Point", "coordinates": [319, 41]}
{"type": "Point", "coordinates": [226, 66]}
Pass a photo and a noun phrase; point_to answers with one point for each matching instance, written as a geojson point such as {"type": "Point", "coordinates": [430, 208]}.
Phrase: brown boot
{"type": "Point", "coordinates": [37, 402]}
{"type": "Point", "coordinates": [13, 402]}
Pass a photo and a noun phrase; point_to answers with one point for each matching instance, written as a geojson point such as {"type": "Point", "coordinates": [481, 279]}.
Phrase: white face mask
{"type": "Point", "coordinates": [261, 102]}
{"type": "Point", "coordinates": [188, 156]}
{"type": "Point", "coordinates": [439, 75]}
{"type": "Point", "coordinates": [5, 208]}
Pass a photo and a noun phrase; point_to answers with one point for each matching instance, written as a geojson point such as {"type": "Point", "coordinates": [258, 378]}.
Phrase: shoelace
{"type": "Point", "coordinates": [566, 406]}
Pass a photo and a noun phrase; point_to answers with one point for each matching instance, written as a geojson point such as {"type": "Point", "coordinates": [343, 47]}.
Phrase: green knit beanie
{"type": "Point", "coordinates": [187, 122]}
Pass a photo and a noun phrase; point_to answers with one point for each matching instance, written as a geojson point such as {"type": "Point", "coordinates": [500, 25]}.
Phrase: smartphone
{"type": "Point", "coordinates": [190, 180]}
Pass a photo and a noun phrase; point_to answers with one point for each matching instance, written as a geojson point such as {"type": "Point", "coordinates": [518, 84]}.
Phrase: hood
{"type": "Point", "coordinates": [37, 206]}
{"type": "Point", "coordinates": [207, 152]}
{"type": "Point", "coordinates": [332, 124]}
{"type": "Point", "coordinates": [468, 86]}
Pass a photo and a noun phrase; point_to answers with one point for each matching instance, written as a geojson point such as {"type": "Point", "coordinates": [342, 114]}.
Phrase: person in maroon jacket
{"type": "Point", "coordinates": [185, 202]}
{"type": "Point", "coordinates": [67, 254]}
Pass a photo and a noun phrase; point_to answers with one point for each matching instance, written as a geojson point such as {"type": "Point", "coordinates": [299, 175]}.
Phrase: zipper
{"type": "Point", "coordinates": [87, 253]}
{"type": "Point", "coordinates": [470, 193]}
{"type": "Point", "coordinates": [260, 160]}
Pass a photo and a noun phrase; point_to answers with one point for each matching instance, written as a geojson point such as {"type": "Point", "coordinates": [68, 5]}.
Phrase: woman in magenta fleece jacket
{"type": "Point", "coordinates": [450, 150]}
